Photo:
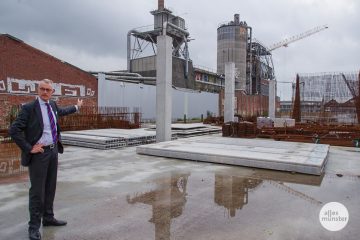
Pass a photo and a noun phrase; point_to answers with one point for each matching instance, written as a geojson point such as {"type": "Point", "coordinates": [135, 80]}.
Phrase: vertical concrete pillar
{"type": "Point", "coordinates": [163, 88]}
{"type": "Point", "coordinates": [101, 89]}
{"type": "Point", "coordinates": [229, 102]}
{"type": "Point", "coordinates": [186, 111]}
{"type": "Point", "coordinates": [272, 94]}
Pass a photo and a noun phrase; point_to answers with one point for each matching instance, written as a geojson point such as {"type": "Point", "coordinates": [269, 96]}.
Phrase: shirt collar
{"type": "Point", "coordinates": [42, 101]}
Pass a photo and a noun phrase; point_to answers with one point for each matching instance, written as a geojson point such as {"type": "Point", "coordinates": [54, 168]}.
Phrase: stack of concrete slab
{"type": "Point", "coordinates": [192, 129]}
{"type": "Point", "coordinates": [108, 138]}
{"type": "Point", "coordinates": [284, 122]}
{"type": "Point", "coordinates": [75, 138]}
{"type": "Point", "coordinates": [285, 156]}
{"type": "Point", "coordinates": [118, 138]}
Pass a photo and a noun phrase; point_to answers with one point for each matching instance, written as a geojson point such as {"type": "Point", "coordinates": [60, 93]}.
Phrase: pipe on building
{"type": "Point", "coordinates": [117, 73]}
{"type": "Point", "coordinates": [122, 80]}
{"type": "Point", "coordinates": [150, 81]}
{"type": "Point", "coordinates": [251, 56]}
{"type": "Point", "coordinates": [186, 58]}
{"type": "Point", "coordinates": [186, 33]}
{"type": "Point", "coordinates": [137, 78]}
{"type": "Point", "coordinates": [165, 24]}
{"type": "Point", "coordinates": [129, 47]}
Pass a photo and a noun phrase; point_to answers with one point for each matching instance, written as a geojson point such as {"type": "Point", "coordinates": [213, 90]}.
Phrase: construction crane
{"type": "Point", "coordinates": [286, 42]}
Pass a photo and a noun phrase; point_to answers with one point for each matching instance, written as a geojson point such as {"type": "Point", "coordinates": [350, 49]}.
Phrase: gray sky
{"type": "Point", "coordinates": [91, 34]}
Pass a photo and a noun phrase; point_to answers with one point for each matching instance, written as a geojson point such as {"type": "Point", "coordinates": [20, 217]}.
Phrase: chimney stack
{"type": "Point", "coordinates": [161, 4]}
{"type": "Point", "coordinates": [236, 18]}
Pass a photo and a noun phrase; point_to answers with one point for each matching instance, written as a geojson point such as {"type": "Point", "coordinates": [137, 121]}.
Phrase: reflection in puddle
{"type": "Point", "coordinates": [232, 187]}
{"type": "Point", "coordinates": [232, 192]}
{"type": "Point", "coordinates": [294, 192]}
{"type": "Point", "coordinates": [167, 201]}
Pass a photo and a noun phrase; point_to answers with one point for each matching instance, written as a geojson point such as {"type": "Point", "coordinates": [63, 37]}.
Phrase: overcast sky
{"type": "Point", "coordinates": [91, 34]}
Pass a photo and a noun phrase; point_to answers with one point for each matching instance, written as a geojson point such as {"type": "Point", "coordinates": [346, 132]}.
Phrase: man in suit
{"type": "Point", "coordinates": [36, 131]}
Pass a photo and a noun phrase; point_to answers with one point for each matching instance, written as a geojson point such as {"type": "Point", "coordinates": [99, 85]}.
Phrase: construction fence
{"type": "Point", "coordinates": [335, 135]}
{"type": "Point", "coordinates": [87, 118]}
{"type": "Point", "coordinates": [102, 117]}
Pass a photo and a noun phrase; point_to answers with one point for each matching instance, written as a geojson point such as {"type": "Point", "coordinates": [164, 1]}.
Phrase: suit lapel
{"type": "Point", "coordinates": [38, 113]}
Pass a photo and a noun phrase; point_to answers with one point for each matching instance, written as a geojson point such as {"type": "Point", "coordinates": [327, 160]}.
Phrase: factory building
{"type": "Point", "coordinates": [253, 65]}
{"type": "Point", "coordinates": [23, 66]}
{"type": "Point", "coordinates": [232, 44]}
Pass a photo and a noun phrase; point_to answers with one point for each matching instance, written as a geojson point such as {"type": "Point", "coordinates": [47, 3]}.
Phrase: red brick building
{"type": "Point", "coordinates": [248, 105]}
{"type": "Point", "coordinates": [23, 66]}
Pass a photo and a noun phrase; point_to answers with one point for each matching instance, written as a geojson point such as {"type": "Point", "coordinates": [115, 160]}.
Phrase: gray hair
{"type": "Point", "coordinates": [47, 81]}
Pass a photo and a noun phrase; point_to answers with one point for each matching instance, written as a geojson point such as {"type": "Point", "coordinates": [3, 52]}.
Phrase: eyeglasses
{"type": "Point", "coordinates": [46, 89]}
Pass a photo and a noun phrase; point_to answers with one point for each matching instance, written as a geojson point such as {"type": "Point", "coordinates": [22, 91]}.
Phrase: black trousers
{"type": "Point", "coordinates": [43, 177]}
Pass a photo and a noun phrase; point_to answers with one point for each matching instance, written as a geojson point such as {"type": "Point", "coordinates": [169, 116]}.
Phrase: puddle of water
{"type": "Point", "coordinates": [233, 202]}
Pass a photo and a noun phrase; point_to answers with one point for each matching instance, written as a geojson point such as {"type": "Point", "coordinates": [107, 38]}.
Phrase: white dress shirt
{"type": "Point", "coordinates": [46, 137]}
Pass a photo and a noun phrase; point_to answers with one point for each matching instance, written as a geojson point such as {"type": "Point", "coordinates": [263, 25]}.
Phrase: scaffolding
{"type": "Point", "coordinates": [329, 97]}
{"type": "Point", "coordinates": [324, 87]}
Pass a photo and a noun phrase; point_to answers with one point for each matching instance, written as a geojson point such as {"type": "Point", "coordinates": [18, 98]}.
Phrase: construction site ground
{"type": "Point", "coordinates": [118, 194]}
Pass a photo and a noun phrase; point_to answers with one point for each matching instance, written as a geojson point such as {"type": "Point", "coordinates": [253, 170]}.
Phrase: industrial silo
{"type": "Point", "coordinates": [232, 47]}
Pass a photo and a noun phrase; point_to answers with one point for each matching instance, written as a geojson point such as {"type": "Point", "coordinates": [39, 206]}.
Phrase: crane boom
{"type": "Point", "coordinates": [299, 194]}
{"type": "Point", "coordinates": [351, 88]}
{"type": "Point", "coordinates": [356, 97]}
{"type": "Point", "coordinates": [286, 42]}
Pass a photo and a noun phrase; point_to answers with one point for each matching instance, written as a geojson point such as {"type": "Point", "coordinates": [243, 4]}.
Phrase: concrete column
{"type": "Point", "coordinates": [163, 88]}
{"type": "Point", "coordinates": [186, 111]}
{"type": "Point", "coordinates": [101, 89]}
{"type": "Point", "coordinates": [229, 102]}
{"type": "Point", "coordinates": [272, 94]}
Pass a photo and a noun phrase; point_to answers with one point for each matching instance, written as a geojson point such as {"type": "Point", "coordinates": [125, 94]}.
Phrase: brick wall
{"type": "Point", "coordinates": [247, 105]}
{"type": "Point", "coordinates": [22, 66]}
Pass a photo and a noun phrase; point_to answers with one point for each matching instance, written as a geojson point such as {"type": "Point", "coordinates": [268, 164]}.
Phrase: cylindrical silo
{"type": "Point", "coordinates": [232, 47]}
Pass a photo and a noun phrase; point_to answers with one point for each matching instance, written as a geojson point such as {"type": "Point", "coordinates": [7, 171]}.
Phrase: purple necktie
{"type": "Point", "coordinates": [52, 123]}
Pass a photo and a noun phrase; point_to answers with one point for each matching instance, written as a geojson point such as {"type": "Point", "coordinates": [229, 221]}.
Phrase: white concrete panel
{"type": "Point", "coordinates": [188, 125]}
{"type": "Point", "coordinates": [163, 88]}
{"type": "Point", "coordinates": [284, 122]}
{"type": "Point", "coordinates": [113, 133]}
{"type": "Point", "coordinates": [284, 156]}
{"type": "Point", "coordinates": [272, 93]}
{"type": "Point", "coordinates": [101, 89]}
{"type": "Point", "coordinates": [229, 101]}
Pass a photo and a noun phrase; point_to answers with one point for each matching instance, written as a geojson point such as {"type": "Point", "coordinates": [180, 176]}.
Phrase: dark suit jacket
{"type": "Point", "coordinates": [28, 127]}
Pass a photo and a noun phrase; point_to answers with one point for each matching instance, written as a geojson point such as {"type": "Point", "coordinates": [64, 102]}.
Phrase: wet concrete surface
{"type": "Point", "coordinates": [117, 194]}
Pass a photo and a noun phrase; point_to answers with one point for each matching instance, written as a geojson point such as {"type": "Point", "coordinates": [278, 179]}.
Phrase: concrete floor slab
{"type": "Point", "coordinates": [285, 156]}
{"type": "Point", "coordinates": [91, 138]}
{"type": "Point", "coordinates": [115, 133]}
{"type": "Point", "coordinates": [187, 126]}
{"type": "Point", "coordinates": [108, 138]}
{"type": "Point", "coordinates": [114, 138]}
{"type": "Point", "coordinates": [118, 194]}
